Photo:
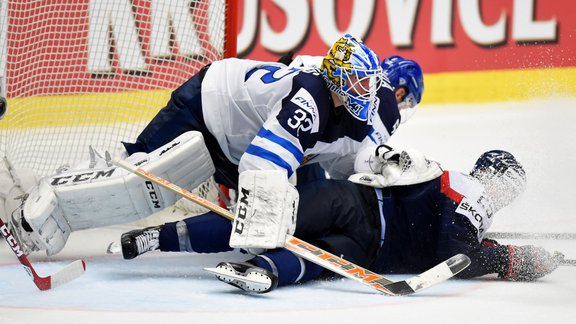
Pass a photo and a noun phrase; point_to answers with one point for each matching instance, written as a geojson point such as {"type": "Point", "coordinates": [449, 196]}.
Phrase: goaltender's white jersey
{"type": "Point", "coordinates": [269, 116]}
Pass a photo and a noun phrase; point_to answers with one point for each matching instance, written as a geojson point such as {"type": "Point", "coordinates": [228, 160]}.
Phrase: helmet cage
{"type": "Point", "coordinates": [353, 72]}
{"type": "Point", "coordinates": [358, 88]}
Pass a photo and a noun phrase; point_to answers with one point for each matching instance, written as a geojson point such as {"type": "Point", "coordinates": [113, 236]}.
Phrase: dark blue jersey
{"type": "Point", "coordinates": [425, 224]}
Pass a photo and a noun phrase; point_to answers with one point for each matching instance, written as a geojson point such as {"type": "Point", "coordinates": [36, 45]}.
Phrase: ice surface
{"type": "Point", "coordinates": [173, 288]}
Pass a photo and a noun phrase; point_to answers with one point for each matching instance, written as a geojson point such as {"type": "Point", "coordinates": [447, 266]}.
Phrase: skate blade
{"type": "Point", "coordinates": [252, 283]}
{"type": "Point", "coordinates": [114, 248]}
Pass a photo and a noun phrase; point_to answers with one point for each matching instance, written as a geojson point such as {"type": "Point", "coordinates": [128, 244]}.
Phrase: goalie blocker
{"type": "Point", "coordinates": [266, 210]}
{"type": "Point", "coordinates": [107, 195]}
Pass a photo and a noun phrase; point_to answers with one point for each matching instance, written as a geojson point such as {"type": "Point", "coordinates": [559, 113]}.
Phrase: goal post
{"type": "Point", "coordinates": [80, 73]}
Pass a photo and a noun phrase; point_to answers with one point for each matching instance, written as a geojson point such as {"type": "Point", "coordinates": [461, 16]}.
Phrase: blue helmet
{"type": "Point", "coordinates": [353, 72]}
{"type": "Point", "coordinates": [406, 73]}
{"type": "Point", "coordinates": [502, 175]}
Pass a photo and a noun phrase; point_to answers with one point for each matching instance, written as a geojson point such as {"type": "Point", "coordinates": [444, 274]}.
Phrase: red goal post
{"type": "Point", "coordinates": [80, 73]}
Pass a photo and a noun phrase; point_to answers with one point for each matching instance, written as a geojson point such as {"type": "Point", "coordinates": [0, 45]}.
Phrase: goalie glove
{"type": "Point", "coordinates": [373, 159]}
{"type": "Point", "coordinates": [528, 263]}
{"type": "Point", "coordinates": [387, 167]}
{"type": "Point", "coordinates": [266, 210]}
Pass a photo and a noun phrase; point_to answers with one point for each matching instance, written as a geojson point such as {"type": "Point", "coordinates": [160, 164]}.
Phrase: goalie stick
{"type": "Point", "coordinates": [568, 262]}
{"type": "Point", "coordinates": [530, 235]}
{"type": "Point", "coordinates": [536, 236]}
{"type": "Point", "coordinates": [64, 275]}
{"type": "Point", "coordinates": [435, 275]}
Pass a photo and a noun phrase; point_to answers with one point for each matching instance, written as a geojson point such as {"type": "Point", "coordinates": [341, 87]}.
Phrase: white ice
{"type": "Point", "coordinates": [173, 288]}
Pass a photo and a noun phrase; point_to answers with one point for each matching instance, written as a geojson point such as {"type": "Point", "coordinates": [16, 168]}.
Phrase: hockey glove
{"type": "Point", "coordinates": [385, 153]}
{"type": "Point", "coordinates": [386, 167]}
{"type": "Point", "coordinates": [528, 263]}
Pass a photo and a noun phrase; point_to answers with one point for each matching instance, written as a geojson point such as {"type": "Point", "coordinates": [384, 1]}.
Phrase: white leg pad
{"type": "Point", "coordinates": [90, 198]}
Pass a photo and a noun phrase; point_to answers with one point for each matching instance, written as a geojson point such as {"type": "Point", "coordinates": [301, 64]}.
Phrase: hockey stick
{"type": "Point", "coordinates": [537, 236]}
{"type": "Point", "coordinates": [437, 274]}
{"type": "Point", "coordinates": [529, 235]}
{"type": "Point", "coordinates": [64, 275]}
{"type": "Point", "coordinates": [568, 262]}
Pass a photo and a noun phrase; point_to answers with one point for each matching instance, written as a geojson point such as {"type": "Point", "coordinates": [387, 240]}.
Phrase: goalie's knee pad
{"type": "Point", "coordinates": [90, 198]}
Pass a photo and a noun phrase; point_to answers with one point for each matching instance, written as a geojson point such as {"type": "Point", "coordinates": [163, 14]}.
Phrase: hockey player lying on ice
{"type": "Point", "coordinates": [421, 216]}
{"type": "Point", "coordinates": [233, 116]}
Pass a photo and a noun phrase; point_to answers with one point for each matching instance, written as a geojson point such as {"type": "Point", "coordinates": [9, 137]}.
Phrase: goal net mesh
{"type": "Point", "coordinates": [80, 73]}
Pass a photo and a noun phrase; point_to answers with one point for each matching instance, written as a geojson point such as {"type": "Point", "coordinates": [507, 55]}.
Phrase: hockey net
{"type": "Point", "coordinates": [80, 73]}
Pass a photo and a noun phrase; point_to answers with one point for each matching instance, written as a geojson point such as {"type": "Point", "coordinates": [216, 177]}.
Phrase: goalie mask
{"type": "Point", "coordinates": [503, 177]}
{"type": "Point", "coordinates": [353, 72]}
{"type": "Point", "coordinates": [408, 74]}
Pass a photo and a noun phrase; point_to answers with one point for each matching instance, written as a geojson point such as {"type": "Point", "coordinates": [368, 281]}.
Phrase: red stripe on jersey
{"type": "Point", "coordinates": [447, 190]}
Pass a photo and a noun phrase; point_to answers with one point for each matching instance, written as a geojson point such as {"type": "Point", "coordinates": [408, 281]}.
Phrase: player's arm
{"type": "Point", "coordinates": [458, 234]}
{"type": "Point", "coordinates": [519, 263]}
{"type": "Point", "coordinates": [272, 149]}
{"type": "Point", "coordinates": [268, 202]}
{"type": "Point", "coordinates": [293, 127]}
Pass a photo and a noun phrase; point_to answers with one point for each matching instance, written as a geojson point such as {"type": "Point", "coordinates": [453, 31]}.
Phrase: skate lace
{"type": "Point", "coordinates": [147, 241]}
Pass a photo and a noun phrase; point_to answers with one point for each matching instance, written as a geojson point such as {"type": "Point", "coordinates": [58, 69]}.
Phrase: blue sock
{"type": "Point", "coordinates": [207, 233]}
{"type": "Point", "coordinates": [287, 266]}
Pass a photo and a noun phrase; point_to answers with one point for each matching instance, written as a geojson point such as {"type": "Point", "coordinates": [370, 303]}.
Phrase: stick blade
{"type": "Point", "coordinates": [114, 248]}
{"type": "Point", "coordinates": [433, 276]}
{"type": "Point", "coordinates": [63, 276]}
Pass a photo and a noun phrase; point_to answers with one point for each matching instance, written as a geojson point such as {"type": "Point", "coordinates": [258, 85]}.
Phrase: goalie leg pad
{"type": "Point", "coordinates": [90, 198]}
{"type": "Point", "coordinates": [266, 211]}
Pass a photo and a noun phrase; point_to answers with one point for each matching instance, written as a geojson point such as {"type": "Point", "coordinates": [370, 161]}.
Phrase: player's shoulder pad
{"type": "Point", "coordinates": [310, 86]}
{"type": "Point", "coordinates": [469, 196]}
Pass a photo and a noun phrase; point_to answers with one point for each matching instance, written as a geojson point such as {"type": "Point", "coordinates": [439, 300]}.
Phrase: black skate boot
{"type": "Point", "coordinates": [245, 276]}
{"type": "Point", "coordinates": [140, 241]}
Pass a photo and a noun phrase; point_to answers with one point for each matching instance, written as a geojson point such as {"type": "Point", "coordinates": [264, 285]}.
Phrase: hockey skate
{"type": "Point", "coordinates": [245, 276]}
{"type": "Point", "coordinates": [140, 241]}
